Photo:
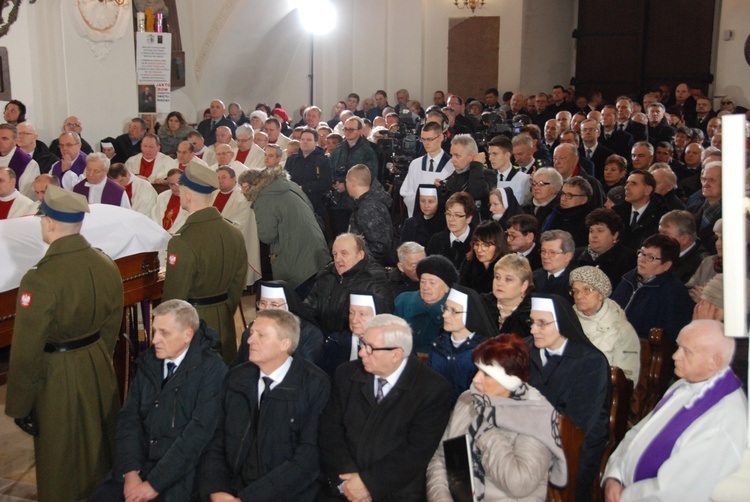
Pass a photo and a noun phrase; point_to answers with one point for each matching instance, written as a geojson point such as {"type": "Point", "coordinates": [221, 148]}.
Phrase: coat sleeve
{"type": "Point", "coordinates": [214, 474]}
{"type": "Point", "coordinates": [34, 316]}
{"type": "Point", "coordinates": [267, 222]}
{"type": "Point", "coordinates": [183, 455]}
{"type": "Point", "coordinates": [130, 454]}
{"type": "Point", "coordinates": [283, 482]}
{"type": "Point", "coordinates": [335, 456]}
{"type": "Point", "coordinates": [181, 264]}
{"type": "Point", "coordinates": [518, 464]}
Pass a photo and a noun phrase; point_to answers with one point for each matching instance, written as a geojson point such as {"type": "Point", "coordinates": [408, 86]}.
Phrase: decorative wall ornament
{"type": "Point", "coordinates": [14, 5]}
{"type": "Point", "coordinates": [101, 23]}
{"type": "Point", "coordinates": [469, 4]}
{"type": "Point", "coordinates": [213, 35]}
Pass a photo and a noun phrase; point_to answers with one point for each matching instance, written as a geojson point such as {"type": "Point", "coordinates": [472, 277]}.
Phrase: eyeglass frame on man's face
{"type": "Point", "coordinates": [540, 184]}
{"type": "Point", "coordinates": [369, 349]}
{"type": "Point", "coordinates": [649, 257]}
{"type": "Point", "coordinates": [570, 196]}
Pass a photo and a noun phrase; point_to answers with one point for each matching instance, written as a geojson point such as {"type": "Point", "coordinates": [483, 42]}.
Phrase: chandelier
{"type": "Point", "coordinates": [471, 4]}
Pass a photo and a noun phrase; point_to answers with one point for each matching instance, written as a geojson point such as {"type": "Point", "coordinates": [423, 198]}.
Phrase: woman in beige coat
{"type": "Point", "coordinates": [509, 423]}
{"type": "Point", "coordinates": [604, 322]}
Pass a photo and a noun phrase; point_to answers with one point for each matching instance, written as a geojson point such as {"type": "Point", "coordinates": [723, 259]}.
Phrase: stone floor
{"type": "Point", "coordinates": [17, 474]}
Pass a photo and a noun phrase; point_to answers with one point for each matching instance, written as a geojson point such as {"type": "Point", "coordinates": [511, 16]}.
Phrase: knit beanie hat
{"type": "Point", "coordinates": [439, 266]}
{"type": "Point", "coordinates": [594, 277]}
{"type": "Point", "coordinates": [616, 195]}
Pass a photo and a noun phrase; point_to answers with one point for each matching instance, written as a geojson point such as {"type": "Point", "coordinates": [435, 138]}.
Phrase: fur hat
{"type": "Point", "coordinates": [594, 277]}
{"type": "Point", "coordinates": [439, 266]}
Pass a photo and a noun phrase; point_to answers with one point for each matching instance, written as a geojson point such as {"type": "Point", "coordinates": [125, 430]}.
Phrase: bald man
{"type": "Point", "coordinates": [208, 127]}
{"type": "Point", "coordinates": [696, 434]}
{"type": "Point", "coordinates": [28, 141]}
{"type": "Point", "coordinates": [70, 124]}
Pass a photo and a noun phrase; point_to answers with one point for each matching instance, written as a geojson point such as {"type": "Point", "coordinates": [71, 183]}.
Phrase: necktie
{"type": "Point", "coordinates": [381, 383]}
{"type": "Point", "coordinates": [550, 277]}
{"type": "Point", "coordinates": [501, 177]}
{"type": "Point", "coordinates": [634, 219]}
{"type": "Point", "coordinates": [588, 153]}
{"type": "Point", "coordinates": [432, 165]}
{"type": "Point", "coordinates": [268, 381]}
{"type": "Point", "coordinates": [607, 135]}
{"type": "Point", "coordinates": [213, 124]}
{"type": "Point", "coordinates": [171, 367]}
{"type": "Point", "coordinates": [621, 127]}
{"type": "Point", "coordinates": [456, 244]}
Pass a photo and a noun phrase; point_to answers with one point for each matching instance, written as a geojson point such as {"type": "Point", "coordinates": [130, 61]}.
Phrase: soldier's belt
{"type": "Point", "coordinates": [211, 300]}
{"type": "Point", "coordinates": [75, 344]}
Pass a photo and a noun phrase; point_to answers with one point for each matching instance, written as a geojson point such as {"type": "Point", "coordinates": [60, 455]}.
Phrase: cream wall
{"type": "Point", "coordinates": [255, 50]}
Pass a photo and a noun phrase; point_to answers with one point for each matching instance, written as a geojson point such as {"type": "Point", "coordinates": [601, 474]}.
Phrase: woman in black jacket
{"type": "Point", "coordinates": [488, 245]}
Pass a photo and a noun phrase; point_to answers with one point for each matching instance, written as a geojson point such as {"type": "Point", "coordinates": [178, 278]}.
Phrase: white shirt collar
{"type": "Point", "coordinates": [177, 361]}
{"type": "Point", "coordinates": [640, 210]}
{"type": "Point", "coordinates": [392, 378]}
{"type": "Point", "coordinates": [277, 376]}
{"type": "Point", "coordinates": [557, 352]}
{"type": "Point", "coordinates": [461, 237]}
{"type": "Point", "coordinates": [100, 184]}
{"type": "Point", "coordinates": [683, 253]}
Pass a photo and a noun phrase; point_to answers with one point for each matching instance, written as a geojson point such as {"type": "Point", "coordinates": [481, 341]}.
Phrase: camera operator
{"type": "Point", "coordinates": [354, 150]}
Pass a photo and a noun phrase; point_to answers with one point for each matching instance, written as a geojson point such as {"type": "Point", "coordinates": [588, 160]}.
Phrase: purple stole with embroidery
{"type": "Point", "coordinates": [112, 193]}
{"type": "Point", "coordinates": [661, 446]}
{"type": "Point", "coordinates": [78, 166]}
{"type": "Point", "coordinates": [18, 163]}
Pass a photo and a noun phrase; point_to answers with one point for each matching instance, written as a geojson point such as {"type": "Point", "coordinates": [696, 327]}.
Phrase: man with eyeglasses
{"type": "Point", "coordinates": [571, 211]}
{"type": "Point", "coordinates": [72, 161]}
{"type": "Point", "coordinates": [591, 148]}
{"type": "Point", "coordinates": [522, 232]}
{"type": "Point", "coordinates": [223, 137]}
{"type": "Point", "coordinates": [28, 142]}
{"type": "Point", "coordinates": [70, 124]}
{"type": "Point", "coordinates": [167, 210]}
{"type": "Point", "coordinates": [650, 294]}
{"type": "Point", "coordinates": [566, 162]}
{"type": "Point", "coordinates": [24, 167]}
{"type": "Point", "coordinates": [355, 149]}
{"type": "Point", "coordinates": [545, 191]}
{"type": "Point", "coordinates": [641, 211]}
{"type": "Point", "coordinates": [556, 250]}
{"type": "Point", "coordinates": [429, 169]}
{"type": "Point", "coordinates": [385, 419]}
{"type": "Point", "coordinates": [247, 152]}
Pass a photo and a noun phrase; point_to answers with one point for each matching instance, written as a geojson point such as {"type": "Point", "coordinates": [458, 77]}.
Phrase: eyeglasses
{"type": "Point", "coordinates": [70, 124]}
{"type": "Point", "coordinates": [584, 292]}
{"type": "Point", "coordinates": [448, 214]}
{"type": "Point", "coordinates": [549, 252]}
{"type": "Point", "coordinates": [370, 349]}
{"type": "Point", "coordinates": [569, 196]}
{"type": "Point", "coordinates": [429, 140]}
{"type": "Point", "coordinates": [350, 129]}
{"type": "Point", "coordinates": [540, 184]}
{"type": "Point", "coordinates": [266, 305]}
{"type": "Point", "coordinates": [727, 103]}
{"type": "Point", "coordinates": [68, 145]}
{"type": "Point", "coordinates": [647, 256]}
{"type": "Point", "coordinates": [484, 246]}
{"type": "Point", "coordinates": [539, 324]}
{"type": "Point", "coordinates": [451, 310]}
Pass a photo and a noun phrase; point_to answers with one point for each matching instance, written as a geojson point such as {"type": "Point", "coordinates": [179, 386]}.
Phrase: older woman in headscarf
{"type": "Point", "coordinates": [465, 325]}
{"type": "Point", "coordinates": [574, 377]}
{"type": "Point", "coordinates": [509, 303]}
{"type": "Point", "coordinates": [604, 322]}
{"type": "Point", "coordinates": [710, 266]}
{"type": "Point", "coordinates": [511, 430]}
{"type": "Point", "coordinates": [280, 295]}
{"type": "Point", "coordinates": [488, 245]}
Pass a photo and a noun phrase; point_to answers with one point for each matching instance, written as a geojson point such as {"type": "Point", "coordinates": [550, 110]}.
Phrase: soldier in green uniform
{"type": "Point", "coordinates": [207, 259]}
{"type": "Point", "coordinates": [61, 386]}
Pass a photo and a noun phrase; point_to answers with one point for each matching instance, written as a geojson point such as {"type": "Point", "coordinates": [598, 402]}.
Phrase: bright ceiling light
{"type": "Point", "coordinates": [317, 16]}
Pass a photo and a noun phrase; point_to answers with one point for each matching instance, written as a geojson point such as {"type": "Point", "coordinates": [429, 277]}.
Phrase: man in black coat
{"type": "Point", "coordinates": [641, 211]}
{"type": "Point", "coordinates": [371, 217]}
{"type": "Point", "coordinates": [613, 138]}
{"type": "Point", "coordinates": [680, 226]}
{"type": "Point", "coordinates": [311, 170]}
{"type": "Point", "coordinates": [385, 419]}
{"type": "Point", "coordinates": [266, 444]}
{"type": "Point", "coordinates": [624, 123]}
{"type": "Point", "coordinates": [127, 145]}
{"type": "Point", "coordinates": [208, 127]}
{"type": "Point", "coordinates": [171, 410]}
{"type": "Point", "coordinates": [658, 127]}
{"type": "Point", "coordinates": [592, 149]}
{"type": "Point", "coordinates": [556, 248]}
{"type": "Point", "coordinates": [28, 141]}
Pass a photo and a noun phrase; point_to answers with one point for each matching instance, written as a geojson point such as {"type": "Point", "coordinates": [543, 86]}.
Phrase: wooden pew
{"type": "Point", "coordinates": [571, 438]}
{"type": "Point", "coordinates": [657, 369]}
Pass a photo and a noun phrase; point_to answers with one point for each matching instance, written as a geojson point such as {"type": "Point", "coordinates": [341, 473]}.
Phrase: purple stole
{"type": "Point", "coordinates": [661, 446]}
{"type": "Point", "coordinates": [78, 166]}
{"type": "Point", "coordinates": [112, 193]}
{"type": "Point", "coordinates": [18, 163]}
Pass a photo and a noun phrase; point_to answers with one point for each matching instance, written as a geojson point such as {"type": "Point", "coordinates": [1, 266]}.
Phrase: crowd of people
{"type": "Point", "coordinates": [519, 266]}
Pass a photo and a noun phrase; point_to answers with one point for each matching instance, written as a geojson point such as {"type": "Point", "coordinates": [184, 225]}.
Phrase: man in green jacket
{"type": "Point", "coordinates": [61, 385]}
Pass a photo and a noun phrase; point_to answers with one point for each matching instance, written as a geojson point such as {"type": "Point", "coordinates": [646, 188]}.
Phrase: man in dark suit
{"type": "Point", "coordinates": [658, 126]}
{"type": "Point", "coordinates": [28, 141]}
{"type": "Point", "coordinates": [592, 149]}
{"type": "Point", "coordinates": [703, 113]}
{"type": "Point", "coordinates": [556, 249]}
{"type": "Point", "coordinates": [129, 144]}
{"type": "Point", "coordinates": [522, 232]}
{"type": "Point", "coordinates": [624, 123]}
{"type": "Point", "coordinates": [568, 165]}
{"type": "Point", "coordinates": [680, 226]}
{"type": "Point", "coordinates": [385, 419]}
{"type": "Point", "coordinates": [265, 445]}
{"type": "Point", "coordinates": [208, 127]}
{"type": "Point", "coordinates": [616, 140]}
{"type": "Point", "coordinates": [641, 211]}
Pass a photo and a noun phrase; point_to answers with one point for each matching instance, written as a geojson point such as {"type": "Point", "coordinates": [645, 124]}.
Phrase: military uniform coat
{"type": "Point", "coordinates": [73, 292]}
{"type": "Point", "coordinates": [207, 258]}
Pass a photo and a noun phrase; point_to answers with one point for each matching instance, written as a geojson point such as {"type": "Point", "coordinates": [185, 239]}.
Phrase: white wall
{"type": "Point", "coordinates": [732, 71]}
